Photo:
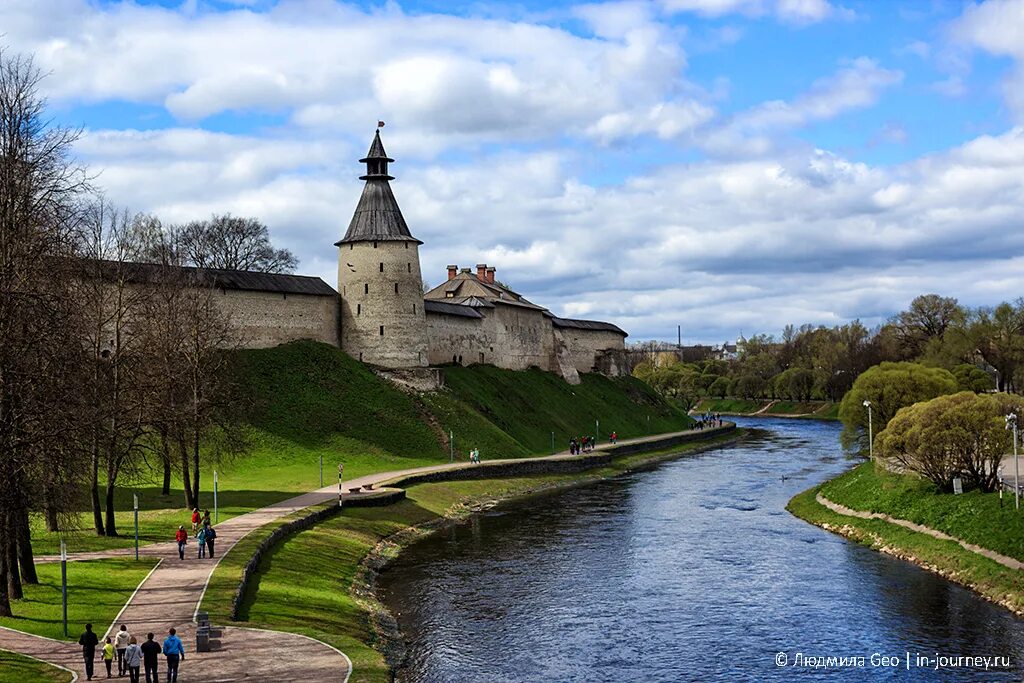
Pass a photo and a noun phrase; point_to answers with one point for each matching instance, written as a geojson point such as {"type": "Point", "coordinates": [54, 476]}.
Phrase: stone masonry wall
{"type": "Point", "coordinates": [585, 346]}
{"type": "Point", "coordinates": [382, 317]}
{"type": "Point", "coordinates": [265, 319]}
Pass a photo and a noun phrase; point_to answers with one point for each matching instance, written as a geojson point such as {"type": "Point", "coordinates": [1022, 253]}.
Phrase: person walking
{"type": "Point", "coordinates": [150, 651]}
{"type": "Point", "coordinates": [121, 645]}
{"type": "Point", "coordinates": [133, 660]}
{"type": "Point", "coordinates": [182, 538]}
{"type": "Point", "coordinates": [174, 651]}
{"type": "Point", "coordinates": [108, 655]}
{"type": "Point", "coordinates": [206, 518]}
{"type": "Point", "coordinates": [614, 437]}
{"type": "Point", "coordinates": [88, 641]}
{"type": "Point", "coordinates": [201, 542]}
{"type": "Point", "coordinates": [195, 521]}
{"type": "Point", "coordinates": [211, 535]}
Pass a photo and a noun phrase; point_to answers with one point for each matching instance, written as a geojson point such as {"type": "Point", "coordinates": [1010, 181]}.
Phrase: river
{"type": "Point", "coordinates": [692, 571]}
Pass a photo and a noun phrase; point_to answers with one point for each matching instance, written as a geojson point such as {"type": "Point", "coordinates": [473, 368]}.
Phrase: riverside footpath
{"type": "Point", "coordinates": [171, 595]}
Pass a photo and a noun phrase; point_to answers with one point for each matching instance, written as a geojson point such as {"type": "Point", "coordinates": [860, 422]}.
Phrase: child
{"type": "Point", "coordinates": [108, 655]}
{"type": "Point", "coordinates": [195, 521]}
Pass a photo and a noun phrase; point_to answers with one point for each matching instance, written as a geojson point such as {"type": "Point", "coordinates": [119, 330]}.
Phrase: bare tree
{"type": "Point", "coordinates": [40, 351]}
{"type": "Point", "coordinates": [233, 243]}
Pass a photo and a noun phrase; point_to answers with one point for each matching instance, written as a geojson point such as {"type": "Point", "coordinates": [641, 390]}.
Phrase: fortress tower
{"type": "Point", "coordinates": [382, 316]}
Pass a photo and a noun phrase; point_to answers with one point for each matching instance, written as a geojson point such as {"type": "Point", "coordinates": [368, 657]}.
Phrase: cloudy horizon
{"type": "Point", "coordinates": [653, 164]}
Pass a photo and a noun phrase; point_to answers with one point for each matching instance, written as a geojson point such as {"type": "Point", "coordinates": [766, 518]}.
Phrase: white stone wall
{"type": "Point", "coordinates": [584, 345]}
{"type": "Point", "coordinates": [265, 319]}
{"type": "Point", "coordinates": [456, 339]}
{"type": "Point", "coordinates": [382, 317]}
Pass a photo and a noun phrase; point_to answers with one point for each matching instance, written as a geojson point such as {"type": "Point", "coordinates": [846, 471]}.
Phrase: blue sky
{"type": "Point", "coordinates": [720, 164]}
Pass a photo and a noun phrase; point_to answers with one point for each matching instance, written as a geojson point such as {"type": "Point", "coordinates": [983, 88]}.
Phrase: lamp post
{"type": "Point", "coordinates": [64, 585]}
{"type": "Point", "coordinates": [321, 470]}
{"type": "Point", "coordinates": [216, 513]}
{"type": "Point", "coordinates": [552, 443]}
{"type": "Point", "coordinates": [871, 434]}
{"type": "Point", "coordinates": [135, 505]}
{"type": "Point", "coordinates": [1011, 423]}
{"type": "Point", "coordinates": [597, 430]}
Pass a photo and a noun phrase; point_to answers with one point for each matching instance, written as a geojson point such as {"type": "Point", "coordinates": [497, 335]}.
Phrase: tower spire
{"type": "Point", "coordinates": [377, 216]}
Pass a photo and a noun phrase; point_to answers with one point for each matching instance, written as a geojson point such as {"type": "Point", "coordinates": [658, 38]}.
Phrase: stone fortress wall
{"type": "Point", "coordinates": [265, 319]}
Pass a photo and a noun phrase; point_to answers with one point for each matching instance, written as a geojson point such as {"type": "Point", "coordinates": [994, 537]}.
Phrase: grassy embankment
{"type": "Point", "coordinates": [294, 592]}
{"type": "Point", "coordinates": [97, 590]}
{"type": "Point", "coordinates": [819, 410]}
{"type": "Point", "coordinates": [15, 668]}
{"type": "Point", "coordinates": [311, 399]}
{"type": "Point", "coordinates": [973, 517]}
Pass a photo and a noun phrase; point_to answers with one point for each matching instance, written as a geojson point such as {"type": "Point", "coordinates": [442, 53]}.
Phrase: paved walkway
{"type": "Point", "coordinates": [1004, 560]}
{"type": "Point", "coordinates": [170, 597]}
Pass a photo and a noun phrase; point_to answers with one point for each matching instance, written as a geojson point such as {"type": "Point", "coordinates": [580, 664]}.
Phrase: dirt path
{"type": "Point", "coordinates": [173, 592]}
{"type": "Point", "coordinates": [913, 526]}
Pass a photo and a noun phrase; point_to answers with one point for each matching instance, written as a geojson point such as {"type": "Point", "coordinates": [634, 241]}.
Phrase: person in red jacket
{"type": "Point", "coordinates": [182, 538]}
{"type": "Point", "coordinates": [195, 521]}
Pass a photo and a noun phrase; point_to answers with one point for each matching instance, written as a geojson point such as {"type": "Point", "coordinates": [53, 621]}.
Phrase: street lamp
{"type": "Point", "coordinates": [64, 585]}
{"type": "Point", "coordinates": [135, 506]}
{"type": "Point", "coordinates": [871, 434]}
{"type": "Point", "coordinates": [1011, 423]}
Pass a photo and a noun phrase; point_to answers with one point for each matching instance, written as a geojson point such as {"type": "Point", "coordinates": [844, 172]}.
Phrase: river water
{"type": "Point", "coordinates": [693, 571]}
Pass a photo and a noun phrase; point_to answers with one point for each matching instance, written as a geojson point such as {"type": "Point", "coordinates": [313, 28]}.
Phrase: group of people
{"type": "Point", "coordinates": [205, 535]}
{"type": "Point", "coordinates": [131, 656]}
{"type": "Point", "coordinates": [474, 455]}
{"type": "Point", "coordinates": [581, 444]}
{"type": "Point", "coordinates": [709, 420]}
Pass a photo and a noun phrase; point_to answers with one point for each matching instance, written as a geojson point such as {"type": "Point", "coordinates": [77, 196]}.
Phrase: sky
{"type": "Point", "coordinates": [729, 166]}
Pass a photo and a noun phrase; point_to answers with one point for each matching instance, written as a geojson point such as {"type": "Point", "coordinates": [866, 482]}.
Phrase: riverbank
{"type": "Point", "coordinates": [967, 524]}
{"type": "Point", "coordinates": [292, 592]}
{"type": "Point", "coordinates": [810, 410]}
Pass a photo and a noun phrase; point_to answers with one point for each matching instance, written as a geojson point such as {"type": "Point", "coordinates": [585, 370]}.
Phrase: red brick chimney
{"type": "Point", "coordinates": [481, 272]}
{"type": "Point", "coordinates": [452, 272]}
{"type": "Point", "coordinates": [490, 275]}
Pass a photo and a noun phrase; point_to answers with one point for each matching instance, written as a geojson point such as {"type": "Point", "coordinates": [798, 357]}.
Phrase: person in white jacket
{"type": "Point", "coordinates": [121, 645]}
{"type": "Point", "coordinates": [133, 660]}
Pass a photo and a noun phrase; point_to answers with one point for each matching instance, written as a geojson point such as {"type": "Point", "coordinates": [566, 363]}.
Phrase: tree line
{"type": "Point", "coordinates": [982, 347]}
{"type": "Point", "coordinates": [114, 356]}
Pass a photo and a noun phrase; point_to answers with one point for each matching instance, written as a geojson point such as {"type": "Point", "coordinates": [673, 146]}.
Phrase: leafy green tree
{"type": "Point", "coordinates": [972, 378]}
{"type": "Point", "coordinates": [795, 384]}
{"type": "Point", "coordinates": [889, 387]}
{"type": "Point", "coordinates": [749, 386]}
{"type": "Point", "coordinates": [961, 434]}
{"type": "Point", "coordinates": [720, 387]}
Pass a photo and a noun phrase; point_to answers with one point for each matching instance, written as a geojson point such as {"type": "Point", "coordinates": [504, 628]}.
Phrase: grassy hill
{"type": "Point", "coordinates": [305, 400]}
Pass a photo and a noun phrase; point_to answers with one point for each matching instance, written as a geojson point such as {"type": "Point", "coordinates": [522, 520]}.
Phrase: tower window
{"type": "Point", "coordinates": [359, 309]}
{"type": "Point", "coordinates": [374, 245]}
{"type": "Point", "coordinates": [406, 244]}
{"type": "Point", "coordinates": [350, 247]}
{"type": "Point", "coordinates": [396, 288]}
{"type": "Point", "coordinates": [414, 308]}
{"type": "Point", "coordinates": [382, 330]}
{"type": "Point", "coordinates": [366, 288]}
{"type": "Point", "coordinates": [409, 267]}
{"type": "Point", "coordinates": [360, 356]}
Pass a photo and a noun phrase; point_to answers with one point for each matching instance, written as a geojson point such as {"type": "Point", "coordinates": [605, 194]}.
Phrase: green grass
{"type": "Point", "coordinates": [294, 593]}
{"type": "Point", "coordinates": [307, 399]}
{"type": "Point", "coordinates": [990, 579]}
{"type": "Point", "coordinates": [972, 516]}
{"type": "Point", "coordinates": [15, 668]}
{"type": "Point", "coordinates": [729, 405]}
{"type": "Point", "coordinates": [97, 590]}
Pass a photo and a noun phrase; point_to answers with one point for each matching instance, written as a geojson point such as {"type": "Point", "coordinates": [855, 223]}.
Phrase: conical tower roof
{"type": "Point", "coordinates": [377, 217]}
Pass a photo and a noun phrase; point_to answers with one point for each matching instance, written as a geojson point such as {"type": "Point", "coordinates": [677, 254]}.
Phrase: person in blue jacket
{"type": "Point", "coordinates": [174, 650]}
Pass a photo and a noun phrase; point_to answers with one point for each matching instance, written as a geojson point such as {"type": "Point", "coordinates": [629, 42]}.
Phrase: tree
{"type": "Point", "coordinates": [749, 386]}
{"type": "Point", "coordinates": [795, 384]}
{"type": "Point", "coordinates": [233, 243]}
{"type": "Point", "coordinates": [889, 387]}
{"type": "Point", "coordinates": [972, 378]}
{"type": "Point", "coordinates": [961, 434]}
{"type": "Point", "coordinates": [927, 319]}
{"type": "Point", "coordinates": [40, 346]}
{"type": "Point", "coordinates": [998, 335]}
{"type": "Point", "coordinates": [720, 387]}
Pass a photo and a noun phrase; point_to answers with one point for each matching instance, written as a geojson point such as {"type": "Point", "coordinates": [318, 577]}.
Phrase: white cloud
{"type": "Point", "coordinates": [789, 11]}
{"type": "Point", "coordinates": [997, 27]}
